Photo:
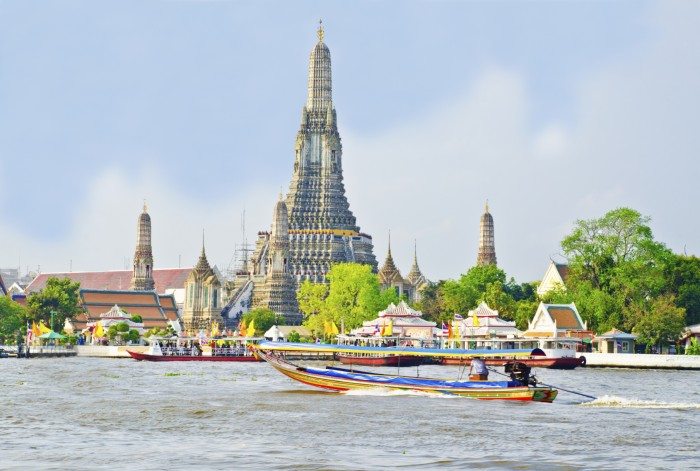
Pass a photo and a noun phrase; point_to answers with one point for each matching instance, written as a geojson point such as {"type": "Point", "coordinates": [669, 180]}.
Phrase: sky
{"type": "Point", "coordinates": [551, 111]}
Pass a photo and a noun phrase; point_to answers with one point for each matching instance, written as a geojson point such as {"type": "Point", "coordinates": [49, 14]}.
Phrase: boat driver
{"type": "Point", "coordinates": [478, 369]}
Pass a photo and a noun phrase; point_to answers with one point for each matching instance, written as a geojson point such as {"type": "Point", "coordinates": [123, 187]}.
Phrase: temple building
{"type": "Point", "coordinates": [487, 246]}
{"type": "Point", "coordinates": [390, 277]}
{"type": "Point", "coordinates": [321, 229]}
{"type": "Point", "coordinates": [156, 295]}
{"type": "Point", "coordinates": [143, 255]}
{"type": "Point", "coordinates": [554, 278]}
{"type": "Point", "coordinates": [202, 296]}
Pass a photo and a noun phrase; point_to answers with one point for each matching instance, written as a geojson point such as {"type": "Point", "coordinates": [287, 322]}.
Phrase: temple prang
{"type": "Point", "coordinates": [487, 245]}
{"type": "Point", "coordinates": [142, 278]}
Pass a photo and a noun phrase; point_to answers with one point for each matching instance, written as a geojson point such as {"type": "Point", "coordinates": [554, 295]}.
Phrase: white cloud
{"type": "Point", "coordinates": [632, 142]}
{"type": "Point", "coordinates": [103, 227]}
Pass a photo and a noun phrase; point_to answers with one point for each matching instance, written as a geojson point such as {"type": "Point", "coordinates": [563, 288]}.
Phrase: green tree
{"type": "Point", "coordinates": [694, 347]}
{"type": "Point", "coordinates": [312, 298]}
{"type": "Point", "coordinates": [60, 296]}
{"type": "Point", "coordinates": [293, 336]}
{"type": "Point", "coordinates": [465, 294]}
{"type": "Point", "coordinates": [432, 304]}
{"type": "Point", "coordinates": [353, 296]}
{"type": "Point", "coordinates": [616, 266]}
{"type": "Point", "coordinates": [13, 318]}
{"type": "Point", "coordinates": [658, 322]}
{"type": "Point", "coordinates": [132, 336]}
{"type": "Point", "coordinates": [136, 318]}
{"type": "Point", "coordinates": [684, 279]}
{"type": "Point", "coordinates": [264, 319]}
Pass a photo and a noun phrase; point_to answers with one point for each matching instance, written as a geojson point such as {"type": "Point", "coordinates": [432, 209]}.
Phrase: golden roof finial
{"type": "Point", "coordinates": [321, 34]}
{"type": "Point", "coordinates": [486, 207]}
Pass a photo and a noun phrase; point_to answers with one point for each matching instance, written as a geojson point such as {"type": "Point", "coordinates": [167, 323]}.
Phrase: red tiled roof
{"type": "Point", "coordinates": [565, 317]}
{"type": "Point", "coordinates": [563, 271]}
{"type": "Point", "coordinates": [165, 279]}
{"type": "Point", "coordinates": [144, 303]}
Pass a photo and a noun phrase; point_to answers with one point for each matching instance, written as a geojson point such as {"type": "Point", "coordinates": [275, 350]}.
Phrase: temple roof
{"type": "Point", "coordinates": [415, 276]}
{"type": "Point", "coordinates": [146, 304]}
{"type": "Point", "coordinates": [388, 272]}
{"type": "Point", "coordinates": [165, 279]}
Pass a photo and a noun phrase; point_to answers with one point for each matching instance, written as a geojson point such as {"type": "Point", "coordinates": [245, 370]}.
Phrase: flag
{"type": "Point", "coordinates": [326, 328]}
{"type": "Point", "coordinates": [376, 329]}
{"type": "Point", "coordinates": [450, 332]}
{"type": "Point", "coordinates": [334, 329]}
{"type": "Point", "coordinates": [43, 329]}
{"type": "Point", "coordinates": [445, 331]}
{"type": "Point", "coordinates": [214, 329]}
{"type": "Point", "coordinates": [458, 317]}
{"type": "Point", "coordinates": [29, 334]}
{"type": "Point", "coordinates": [250, 331]}
{"type": "Point", "coordinates": [98, 331]}
{"type": "Point", "coordinates": [389, 329]}
{"type": "Point", "coordinates": [35, 330]}
{"type": "Point", "coordinates": [241, 328]}
{"type": "Point", "coordinates": [475, 320]}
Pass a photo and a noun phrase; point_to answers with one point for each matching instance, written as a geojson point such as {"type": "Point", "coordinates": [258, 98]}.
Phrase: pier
{"type": "Point", "coordinates": [641, 360]}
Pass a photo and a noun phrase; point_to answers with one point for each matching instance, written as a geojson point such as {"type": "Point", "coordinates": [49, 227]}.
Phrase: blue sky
{"type": "Point", "coordinates": [554, 111]}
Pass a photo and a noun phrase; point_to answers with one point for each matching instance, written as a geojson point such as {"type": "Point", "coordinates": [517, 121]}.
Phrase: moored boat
{"type": "Point", "coordinates": [521, 386]}
{"type": "Point", "coordinates": [235, 349]}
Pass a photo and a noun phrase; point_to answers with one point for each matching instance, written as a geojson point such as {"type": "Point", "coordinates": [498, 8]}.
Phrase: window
{"type": "Point", "coordinates": [190, 295]}
{"type": "Point", "coordinates": [205, 296]}
{"type": "Point", "coordinates": [215, 298]}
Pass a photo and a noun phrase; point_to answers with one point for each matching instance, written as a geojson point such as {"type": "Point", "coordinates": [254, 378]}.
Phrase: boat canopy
{"type": "Point", "coordinates": [425, 352]}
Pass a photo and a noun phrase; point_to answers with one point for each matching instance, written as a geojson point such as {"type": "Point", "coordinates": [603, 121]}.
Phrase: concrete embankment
{"type": "Point", "coordinates": [108, 351]}
{"type": "Point", "coordinates": [638, 360]}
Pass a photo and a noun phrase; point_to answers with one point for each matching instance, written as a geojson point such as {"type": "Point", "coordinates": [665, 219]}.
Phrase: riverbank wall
{"type": "Point", "coordinates": [640, 360]}
{"type": "Point", "coordinates": [108, 351]}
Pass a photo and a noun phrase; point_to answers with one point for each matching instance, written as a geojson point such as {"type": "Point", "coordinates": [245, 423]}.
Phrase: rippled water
{"type": "Point", "coordinates": [86, 413]}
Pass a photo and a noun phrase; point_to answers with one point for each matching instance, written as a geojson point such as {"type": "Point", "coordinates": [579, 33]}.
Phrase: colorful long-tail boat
{"type": "Point", "coordinates": [520, 387]}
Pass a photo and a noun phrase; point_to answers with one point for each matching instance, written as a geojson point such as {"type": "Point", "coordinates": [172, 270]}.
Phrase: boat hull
{"type": "Point", "coordinates": [562, 363]}
{"type": "Point", "coordinates": [334, 380]}
{"type": "Point", "coordinates": [146, 357]}
{"type": "Point", "coordinates": [379, 360]}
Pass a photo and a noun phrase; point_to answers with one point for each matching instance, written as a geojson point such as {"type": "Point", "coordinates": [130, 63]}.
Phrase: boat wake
{"type": "Point", "coordinates": [617, 402]}
{"type": "Point", "coordinates": [395, 392]}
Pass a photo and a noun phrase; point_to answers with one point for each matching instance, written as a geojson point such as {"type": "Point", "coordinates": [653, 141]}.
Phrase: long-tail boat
{"type": "Point", "coordinates": [521, 386]}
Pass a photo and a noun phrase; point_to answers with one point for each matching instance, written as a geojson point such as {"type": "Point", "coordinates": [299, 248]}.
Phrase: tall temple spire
{"type": "Point", "coordinates": [320, 85]}
{"type": "Point", "coordinates": [389, 272]}
{"type": "Point", "coordinates": [487, 246]}
{"type": "Point", "coordinates": [415, 275]}
{"type": "Point", "coordinates": [142, 278]}
{"type": "Point", "coordinates": [322, 228]}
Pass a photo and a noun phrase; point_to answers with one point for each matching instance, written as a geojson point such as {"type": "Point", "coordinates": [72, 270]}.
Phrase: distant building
{"type": "Point", "coordinates": [202, 296]}
{"type": "Point", "coordinates": [614, 341]}
{"type": "Point", "coordinates": [557, 320]}
{"type": "Point", "coordinates": [3, 290]}
{"type": "Point", "coordinates": [112, 317]}
{"type": "Point", "coordinates": [411, 286]}
{"type": "Point", "coordinates": [554, 278]}
{"type": "Point", "coordinates": [280, 333]}
{"type": "Point", "coordinates": [405, 322]}
{"type": "Point", "coordinates": [487, 324]}
{"type": "Point", "coordinates": [143, 277]}
{"type": "Point", "coordinates": [156, 310]}
{"type": "Point", "coordinates": [487, 244]}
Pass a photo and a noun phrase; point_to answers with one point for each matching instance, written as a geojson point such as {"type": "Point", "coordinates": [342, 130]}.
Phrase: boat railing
{"type": "Point", "coordinates": [230, 352]}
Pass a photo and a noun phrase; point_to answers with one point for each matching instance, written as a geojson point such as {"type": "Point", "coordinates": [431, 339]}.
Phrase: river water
{"type": "Point", "coordinates": [88, 413]}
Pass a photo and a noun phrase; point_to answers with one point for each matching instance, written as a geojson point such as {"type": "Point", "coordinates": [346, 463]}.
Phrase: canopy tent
{"type": "Point", "coordinates": [52, 335]}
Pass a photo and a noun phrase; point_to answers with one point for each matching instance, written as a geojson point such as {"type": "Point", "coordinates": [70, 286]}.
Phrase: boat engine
{"type": "Point", "coordinates": [520, 372]}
